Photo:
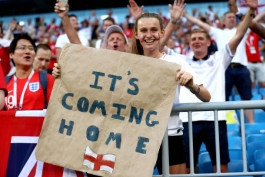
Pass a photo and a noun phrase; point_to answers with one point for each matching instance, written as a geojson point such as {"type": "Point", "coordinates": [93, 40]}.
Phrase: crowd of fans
{"type": "Point", "coordinates": [245, 68]}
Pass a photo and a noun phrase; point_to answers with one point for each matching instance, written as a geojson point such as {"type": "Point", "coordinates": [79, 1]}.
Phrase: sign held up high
{"type": "Point", "coordinates": [108, 112]}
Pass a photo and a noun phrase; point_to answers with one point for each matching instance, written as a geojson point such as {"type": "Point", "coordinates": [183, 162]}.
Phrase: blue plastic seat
{"type": "Point", "coordinates": [259, 154]}
{"type": "Point", "coordinates": [235, 154]}
{"type": "Point", "coordinates": [254, 91]}
{"type": "Point", "coordinates": [204, 157]}
{"type": "Point", "coordinates": [203, 148]}
{"type": "Point", "coordinates": [233, 130]}
{"type": "Point", "coordinates": [259, 116]}
{"type": "Point", "coordinates": [251, 148]}
{"type": "Point", "coordinates": [205, 167]}
{"type": "Point", "coordinates": [235, 142]}
{"type": "Point", "coordinates": [237, 98]}
{"type": "Point", "coordinates": [255, 128]}
{"type": "Point", "coordinates": [155, 172]}
{"type": "Point", "coordinates": [262, 91]}
{"type": "Point", "coordinates": [255, 137]}
{"type": "Point", "coordinates": [260, 166]}
{"type": "Point", "coordinates": [257, 97]}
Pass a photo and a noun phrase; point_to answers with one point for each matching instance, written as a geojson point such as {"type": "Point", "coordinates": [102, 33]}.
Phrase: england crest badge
{"type": "Point", "coordinates": [34, 86]}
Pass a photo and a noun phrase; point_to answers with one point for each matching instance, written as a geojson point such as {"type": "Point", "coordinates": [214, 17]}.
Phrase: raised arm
{"type": "Point", "coordinates": [175, 13]}
{"type": "Point", "coordinates": [135, 10]}
{"type": "Point", "coordinates": [198, 22]}
{"type": "Point", "coordinates": [254, 25]}
{"type": "Point", "coordinates": [68, 28]}
{"type": "Point", "coordinates": [243, 26]}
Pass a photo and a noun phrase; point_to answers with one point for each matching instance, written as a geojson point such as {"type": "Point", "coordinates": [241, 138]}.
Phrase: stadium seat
{"type": "Point", "coordinates": [260, 166]}
{"type": "Point", "coordinates": [206, 167]}
{"type": "Point", "coordinates": [254, 91]}
{"type": "Point", "coordinates": [203, 148]}
{"type": "Point", "coordinates": [234, 142]}
{"type": "Point", "coordinates": [237, 98]}
{"type": "Point", "coordinates": [256, 97]}
{"type": "Point", "coordinates": [233, 130]}
{"type": "Point", "coordinates": [235, 154]}
{"type": "Point", "coordinates": [155, 172]}
{"type": "Point", "coordinates": [251, 148]}
{"type": "Point", "coordinates": [233, 166]}
{"type": "Point", "coordinates": [204, 157]}
{"type": "Point", "coordinates": [255, 128]}
{"type": "Point", "coordinates": [259, 116]}
{"type": "Point", "coordinates": [255, 137]}
{"type": "Point", "coordinates": [262, 91]}
{"type": "Point", "coordinates": [259, 154]}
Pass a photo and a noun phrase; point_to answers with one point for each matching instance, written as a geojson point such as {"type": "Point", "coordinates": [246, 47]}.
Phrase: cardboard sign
{"type": "Point", "coordinates": [108, 112]}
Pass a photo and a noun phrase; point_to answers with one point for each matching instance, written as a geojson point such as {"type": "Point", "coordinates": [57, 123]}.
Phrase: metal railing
{"type": "Point", "coordinates": [212, 106]}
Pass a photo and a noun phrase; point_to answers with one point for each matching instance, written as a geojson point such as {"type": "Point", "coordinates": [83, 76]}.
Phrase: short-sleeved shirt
{"type": "Point", "coordinates": [175, 125]}
{"type": "Point", "coordinates": [2, 81]}
{"type": "Point", "coordinates": [222, 37]}
{"type": "Point", "coordinates": [63, 39]}
{"type": "Point", "coordinates": [34, 96]}
{"type": "Point", "coordinates": [212, 74]}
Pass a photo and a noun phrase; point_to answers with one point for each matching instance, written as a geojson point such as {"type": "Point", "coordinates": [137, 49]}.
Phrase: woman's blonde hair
{"type": "Point", "coordinates": [136, 47]}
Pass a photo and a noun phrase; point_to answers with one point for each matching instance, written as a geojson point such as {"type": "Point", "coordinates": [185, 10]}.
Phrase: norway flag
{"type": "Point", "coordinates": [19, 133]}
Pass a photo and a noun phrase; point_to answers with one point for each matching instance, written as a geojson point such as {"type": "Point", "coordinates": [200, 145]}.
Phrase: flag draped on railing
{"type": "Point", "coordinates": [19, 133]}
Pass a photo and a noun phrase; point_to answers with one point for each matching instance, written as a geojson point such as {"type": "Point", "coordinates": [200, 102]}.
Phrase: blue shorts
{"type": "Point", "coordinates": [203, 131]}
{"type": "Point", "coordinates": [240, 77]}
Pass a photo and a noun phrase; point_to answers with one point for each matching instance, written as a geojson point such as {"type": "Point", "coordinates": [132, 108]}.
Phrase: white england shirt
{"type": "Point", "coordinates": [175, 124]}
{"type": "Point", "coordinates": [212, 74]}
{"type": "Point", "coordinates": [222, 37]}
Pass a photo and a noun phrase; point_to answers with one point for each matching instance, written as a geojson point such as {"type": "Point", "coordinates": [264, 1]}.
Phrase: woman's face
{"type": "Point", "coordinates": [149, 33]}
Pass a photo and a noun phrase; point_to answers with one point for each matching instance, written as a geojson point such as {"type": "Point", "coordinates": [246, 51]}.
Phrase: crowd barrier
{"type": "Point", "coordinates": [234, 105]}
{"type": "Point", "coordinates": [28, 123]}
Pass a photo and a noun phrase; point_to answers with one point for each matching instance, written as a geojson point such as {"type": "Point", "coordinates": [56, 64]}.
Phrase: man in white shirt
{"type": "Point", "coordinates": [237, 73]}
{"type": "Point", "coordinates": [63, 39]}
{"type": "Point", "coordinates": [211, 69]}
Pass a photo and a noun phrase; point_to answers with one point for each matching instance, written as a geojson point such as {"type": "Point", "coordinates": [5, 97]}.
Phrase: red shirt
{"type": "Point", "coordinates": [2, 81]}
{"type": "Point", "coordinates": [53, 60]}
{"type": "Point", "coordinates": [4, 60]}
{"type": "Point", "coordinates": [128, 33]}
{"type": "Point", "coordinates": [34, 97]}
{"type": "Point", "coordinates": [252, 47]}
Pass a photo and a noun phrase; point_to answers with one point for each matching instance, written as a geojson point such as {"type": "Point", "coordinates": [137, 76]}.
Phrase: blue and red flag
{"type": "Point", "coordinates": [19, 133]}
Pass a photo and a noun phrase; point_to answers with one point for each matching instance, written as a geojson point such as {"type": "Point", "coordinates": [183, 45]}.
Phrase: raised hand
{"type": "Point", "coordinates": [176, 10]}
{"type": "Point", "coordinates": [61, 13]}
{"type": "Point", "coordinates": [233, 6]}
{"type": "Point", "coordinates": [253, 4]}
{"type": "Point", "coordinates": [56, 70]}
{"type": "Point", "coordinates": [135, 10]}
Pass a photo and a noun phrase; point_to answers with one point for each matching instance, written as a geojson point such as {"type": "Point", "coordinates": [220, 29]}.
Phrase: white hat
{"type": "Point", "coordinates": [112, 29]}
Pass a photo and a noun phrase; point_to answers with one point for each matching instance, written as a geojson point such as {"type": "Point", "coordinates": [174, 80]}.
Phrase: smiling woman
{"type": "Point", "coordinates": [148, 31]}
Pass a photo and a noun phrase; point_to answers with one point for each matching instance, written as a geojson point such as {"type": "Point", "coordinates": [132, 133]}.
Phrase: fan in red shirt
{"type": "Point", "coordinates": [3, 91]}
{"type": "Point", "coordinates": [255, 65]}
{"type": "Point", "coordinates": [24, 88]}
{"type": "Point", "coordinates": [4, 56]}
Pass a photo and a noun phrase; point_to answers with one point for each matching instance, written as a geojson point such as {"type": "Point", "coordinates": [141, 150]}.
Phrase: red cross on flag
{"type": "Point", "coordinates": [99, 162]}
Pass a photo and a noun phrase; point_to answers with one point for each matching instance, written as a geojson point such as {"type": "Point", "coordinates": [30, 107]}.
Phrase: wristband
{"type": "Point", "coordinates": [198, 90]}
{"type": "Point", "coordinates": [174, 22]}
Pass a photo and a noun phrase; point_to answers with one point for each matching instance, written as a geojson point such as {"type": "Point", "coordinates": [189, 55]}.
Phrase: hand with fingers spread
{"type": "Point", "coordinates": [253, 4]}
{"type": "Point", "coordinates": [61, 13]}
{"type": "Point", "coordinates": [233, 6]}
{"type": "Point", "coordinates": [185, 79]}
{"type": "Point", "coordinates": [56, 72]}
{"type": "Point", "coordinates": [135, 10]}
{"type": "Point", "coordinates": [176, 10]}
